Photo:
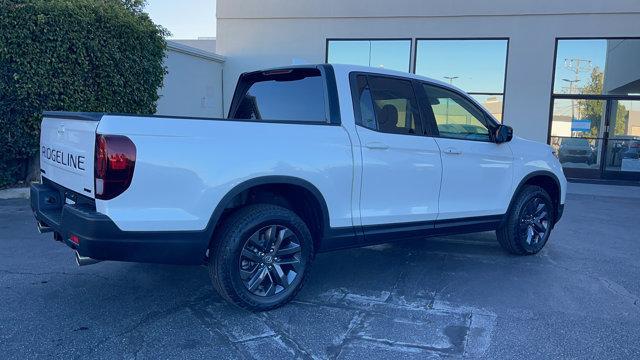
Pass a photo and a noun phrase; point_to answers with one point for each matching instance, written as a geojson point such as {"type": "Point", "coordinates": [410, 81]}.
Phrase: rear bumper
{"type": "Point", "coordinates": [101, 239]}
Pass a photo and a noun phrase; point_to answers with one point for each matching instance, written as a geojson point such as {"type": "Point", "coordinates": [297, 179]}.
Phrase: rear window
{"type": "Point", "coordinates": [294, 95]}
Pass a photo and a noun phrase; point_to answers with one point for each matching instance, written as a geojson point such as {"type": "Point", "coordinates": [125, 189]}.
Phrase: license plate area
{"type": "Point", "coordinates": [67, 196]}
{"type": "Point", "coordinates": [70, 198]}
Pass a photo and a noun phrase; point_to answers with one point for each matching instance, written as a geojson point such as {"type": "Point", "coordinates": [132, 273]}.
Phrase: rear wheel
{"type": "Point", "coordinates": [260, 257]}
{"type": "Point", "coordinates": [529, 222]}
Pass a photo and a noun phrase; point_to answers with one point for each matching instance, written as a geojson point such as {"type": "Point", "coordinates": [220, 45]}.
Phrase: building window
{"type": "Point", "coordinates": [595, 119]}
{"type": "Point", "coordinates": [597, 67]}
{"type": "Point", "coordinates": [476, 66]}
{"type": "Point", "coordinates": [388, 54]}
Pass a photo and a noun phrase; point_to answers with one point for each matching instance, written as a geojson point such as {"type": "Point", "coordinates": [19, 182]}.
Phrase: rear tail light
{"type": "Point", "coordinates": [115, 160]}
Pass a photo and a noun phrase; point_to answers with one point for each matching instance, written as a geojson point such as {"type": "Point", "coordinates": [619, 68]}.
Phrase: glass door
{"type": "Point", "coordinates": [578, 127]}
{"type": "Point", "coordinates": [622, 140]}
{"type": "Point", "coordinates": [595, 115]}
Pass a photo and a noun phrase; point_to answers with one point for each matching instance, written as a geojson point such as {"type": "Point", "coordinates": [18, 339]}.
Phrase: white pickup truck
{"type": "Point", "coordinates": [310, 158]}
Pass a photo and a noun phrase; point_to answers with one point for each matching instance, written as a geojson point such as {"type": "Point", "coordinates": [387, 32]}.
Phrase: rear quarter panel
{"type": "Point", "coordinates": [184, 167]}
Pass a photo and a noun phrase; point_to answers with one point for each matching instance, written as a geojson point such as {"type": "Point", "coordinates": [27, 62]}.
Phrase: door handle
{"type": "Point", "coordinates": [452, 151]}
{"type": "Point", "coordinates": [376, 145]}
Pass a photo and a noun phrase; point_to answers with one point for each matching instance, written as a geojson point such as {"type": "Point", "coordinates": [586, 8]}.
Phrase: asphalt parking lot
{"type": "Point", "coordinates": [458, 296]}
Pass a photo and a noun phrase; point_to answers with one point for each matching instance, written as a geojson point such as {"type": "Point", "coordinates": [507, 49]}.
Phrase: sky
{"type": "Point", "coordinates": [185, 19]}
{"type": "Point", "coordinates": [593, 50]}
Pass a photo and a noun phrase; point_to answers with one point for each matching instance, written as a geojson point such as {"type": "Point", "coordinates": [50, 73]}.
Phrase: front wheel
{"type": "Point", "coordinates": [260, 257]}
{"type": "Point", "coordinates": [529, 222]}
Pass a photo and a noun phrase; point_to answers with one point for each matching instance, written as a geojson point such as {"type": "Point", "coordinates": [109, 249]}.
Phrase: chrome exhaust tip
{"type": "Point", "coordinates": [43, 228]}
{"type": "Point", "coordinates": [83, 260]}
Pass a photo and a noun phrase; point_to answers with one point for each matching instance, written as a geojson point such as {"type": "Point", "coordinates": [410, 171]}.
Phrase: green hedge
{"type": "Point", "coordinates": [72, 55]}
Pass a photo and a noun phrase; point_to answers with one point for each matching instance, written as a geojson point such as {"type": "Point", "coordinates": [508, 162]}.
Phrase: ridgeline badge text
{"type": "Point", "coordinates": [67, 159]}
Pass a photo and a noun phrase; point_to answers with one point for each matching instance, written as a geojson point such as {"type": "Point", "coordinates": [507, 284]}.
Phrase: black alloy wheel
{"type": "Point", "coordinates": [260, 256]}
{"type": "Point", "coordinates": [528, 223]}
{"type": "Point", "coordinates": [535, 221]}
{"type": "Point", "coordinates": [270, 260]}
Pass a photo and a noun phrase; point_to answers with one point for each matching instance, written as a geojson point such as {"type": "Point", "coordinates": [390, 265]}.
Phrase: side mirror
{"type": "Point", "coordinates": [503, 134]}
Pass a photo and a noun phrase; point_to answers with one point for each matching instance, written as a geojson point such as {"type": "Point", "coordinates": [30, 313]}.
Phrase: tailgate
{"type": "Point", "coordinates": [67, 146]}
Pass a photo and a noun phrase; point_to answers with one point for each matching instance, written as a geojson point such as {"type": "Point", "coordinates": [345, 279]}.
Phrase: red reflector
{"type": "Point", "coordinates": [75, 239]}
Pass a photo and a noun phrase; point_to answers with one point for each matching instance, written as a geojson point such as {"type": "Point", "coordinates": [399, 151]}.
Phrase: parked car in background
{"type": "Point", "coordinates": [631, 149]}
{"type": "Point", "coordinates": [311, 158]}
{"type": "Point", "coordinates": [576, 150]}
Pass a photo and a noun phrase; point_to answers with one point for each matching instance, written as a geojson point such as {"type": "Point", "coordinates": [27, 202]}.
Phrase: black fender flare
{"type": "Point", "coordinates": [266, 180]}
{"type": "Point", "coordinates": [529, 176]}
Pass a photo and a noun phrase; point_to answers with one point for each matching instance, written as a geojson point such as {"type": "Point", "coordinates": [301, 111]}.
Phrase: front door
{"type": "Point", "coordinates": [475, 170]}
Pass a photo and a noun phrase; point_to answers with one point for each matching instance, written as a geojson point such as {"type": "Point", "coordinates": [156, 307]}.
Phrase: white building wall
{"type": "Point", "coordinates": [193, 84]}
{"type": "Point", "coordinates": [203, 43]}
{"type": "Point", "coordinates": [254, 34]}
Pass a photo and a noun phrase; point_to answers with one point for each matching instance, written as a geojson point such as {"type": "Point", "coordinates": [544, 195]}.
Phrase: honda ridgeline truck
{"type": "Point", "coordinates": [310, 158]}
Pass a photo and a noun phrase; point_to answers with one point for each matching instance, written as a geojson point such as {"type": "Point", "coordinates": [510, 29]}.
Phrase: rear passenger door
{"type": "Point", "coordinates": [476, 171]}
{"type": "Point", "coordinates": [401, 167]}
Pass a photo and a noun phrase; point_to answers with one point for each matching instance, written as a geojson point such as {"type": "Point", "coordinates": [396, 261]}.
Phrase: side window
{"type": "Point", "coordinates": [456, 117]}
{"type": "Point", "coordinates": [297, 95]}
{"type": "Point", "coordinates": [387, 105]}
{"type": "Point", "coordinates": [366, 116]}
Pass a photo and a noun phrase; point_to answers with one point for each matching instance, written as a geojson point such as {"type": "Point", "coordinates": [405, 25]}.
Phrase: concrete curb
{"type": "Point", "coordinates": [15, 193]}
{"type": "Point", "coordinates": [604, 190]}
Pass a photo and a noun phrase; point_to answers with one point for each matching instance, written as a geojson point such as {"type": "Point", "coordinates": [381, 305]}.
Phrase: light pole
{"type": "Point", "coordinates": [571, 82]}
{"type": "Point", "coordinates": [576, 66]}
{"type": "Point", "coordinates": [450, 78]}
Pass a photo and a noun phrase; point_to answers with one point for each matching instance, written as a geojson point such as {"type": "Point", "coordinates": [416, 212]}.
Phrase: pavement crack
{"type": "Point", "coordinates": [349, 335]}
{"type": "Point", "coordinates": [11, 272]}
{"type": "Point", "coordinates": [466, 339]}
{"type": "Point", "coordinates": [401, 277]}
{"type": "Point", "coordinates": [285, 337]}
{"type": "Point", "coordinates": [619, 290]}
{"type": "Point", "coordinates": [214, 328]}
{"type": "Point", "coordinates": [439, 288]}
{"type": "Point", "coordinates": [612, 286]}
{"type": "Point", "coordinates": [112, 282]}
{"type": "Point", "coordinates": [146, 319]}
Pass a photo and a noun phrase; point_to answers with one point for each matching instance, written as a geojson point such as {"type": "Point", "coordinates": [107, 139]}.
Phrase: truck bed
{"type": "Point", "coordinates": [184, 165]}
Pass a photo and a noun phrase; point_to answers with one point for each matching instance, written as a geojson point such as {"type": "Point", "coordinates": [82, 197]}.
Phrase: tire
{"type": "Point", "coordinates": [529, 222]}
{"type": "Point", "coordinates": [243, 268]}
